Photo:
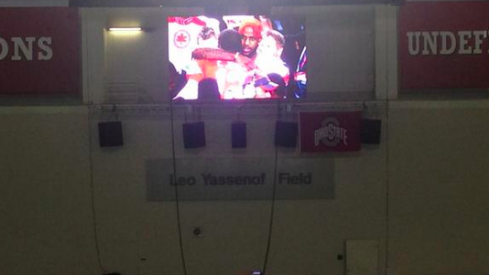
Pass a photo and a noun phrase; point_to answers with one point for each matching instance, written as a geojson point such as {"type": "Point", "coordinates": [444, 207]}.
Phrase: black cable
{"type": "Point", "coordinates": [177, 201]}
{"type": "Point", "coordinates": [387, 184]}
{"type": "Point", "coordinates": [92, 186]}
{"type": "Point", "coordinates": [387, 161]}
{"type": "Point", "coordinates": [272, 207]}
{"type": "Point", "coordinates": [92, 195]}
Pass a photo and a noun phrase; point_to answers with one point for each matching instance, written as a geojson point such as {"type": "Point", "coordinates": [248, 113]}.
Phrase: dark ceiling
{"type": "Point", "coordinates": [222, 3]}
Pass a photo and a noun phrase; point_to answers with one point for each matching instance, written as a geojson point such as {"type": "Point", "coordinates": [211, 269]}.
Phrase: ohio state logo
{"type": "Point", "coordinates": [181, 39]}
{"type": "Point", "coordinates": [330, 134]}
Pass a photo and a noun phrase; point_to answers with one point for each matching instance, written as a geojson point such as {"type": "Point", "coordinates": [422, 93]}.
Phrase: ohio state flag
{"type": "Point", "coordinates": [330, 132]}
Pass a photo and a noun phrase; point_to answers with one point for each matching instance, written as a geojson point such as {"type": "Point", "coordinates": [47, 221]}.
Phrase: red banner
{"type": "Point", "coordinates": [39, 51]}
{"type": "Point", "coordinates": [444, 45]}
{"type": "Point", "coordinates": [330, 132]}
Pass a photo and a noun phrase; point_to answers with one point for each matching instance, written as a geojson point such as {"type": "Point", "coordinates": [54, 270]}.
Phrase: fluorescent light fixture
{"type": "Point", "coordinates": [126, 29]}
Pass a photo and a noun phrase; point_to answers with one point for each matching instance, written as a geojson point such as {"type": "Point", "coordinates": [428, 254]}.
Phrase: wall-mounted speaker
{"type": "Point", "coordinates": [286, 134]}
{"type": "Point", "coordinates": [238, 134]}
{"type": "Point", "coordinates": [193, 135]}
{"type": "Point", "coordinates": [370, 131]}
{"type": "Point", "coordinates": [110, 134]}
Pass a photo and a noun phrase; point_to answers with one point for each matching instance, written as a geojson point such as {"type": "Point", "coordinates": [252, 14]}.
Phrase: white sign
{"type": "Point", "coordinates": [239, 179]}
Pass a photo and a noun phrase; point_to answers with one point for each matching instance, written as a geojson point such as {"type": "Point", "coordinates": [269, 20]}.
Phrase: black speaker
{"type": "Point", "coordinates": [110, 134]}
{"type": "Point", "coordinates": [238, 134]}
{"type": "Point", "coordinates": [370, 131]}
{"type": "Point", "coordinates": [193, 135]}
{"type": "Point", "coordinates": [286, 134]}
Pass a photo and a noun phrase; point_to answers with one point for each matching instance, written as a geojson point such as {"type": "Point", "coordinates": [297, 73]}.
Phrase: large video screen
{"type": "Point", "coordinates": [237, 57]}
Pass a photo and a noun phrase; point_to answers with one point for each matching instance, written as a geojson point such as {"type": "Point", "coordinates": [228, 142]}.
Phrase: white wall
{"type": "Point", "coordinates": [424, 198]}
{"type": "Point", "coordinates": [438, 186]}
{"type": "Point", "coordinates": [46, 199]}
